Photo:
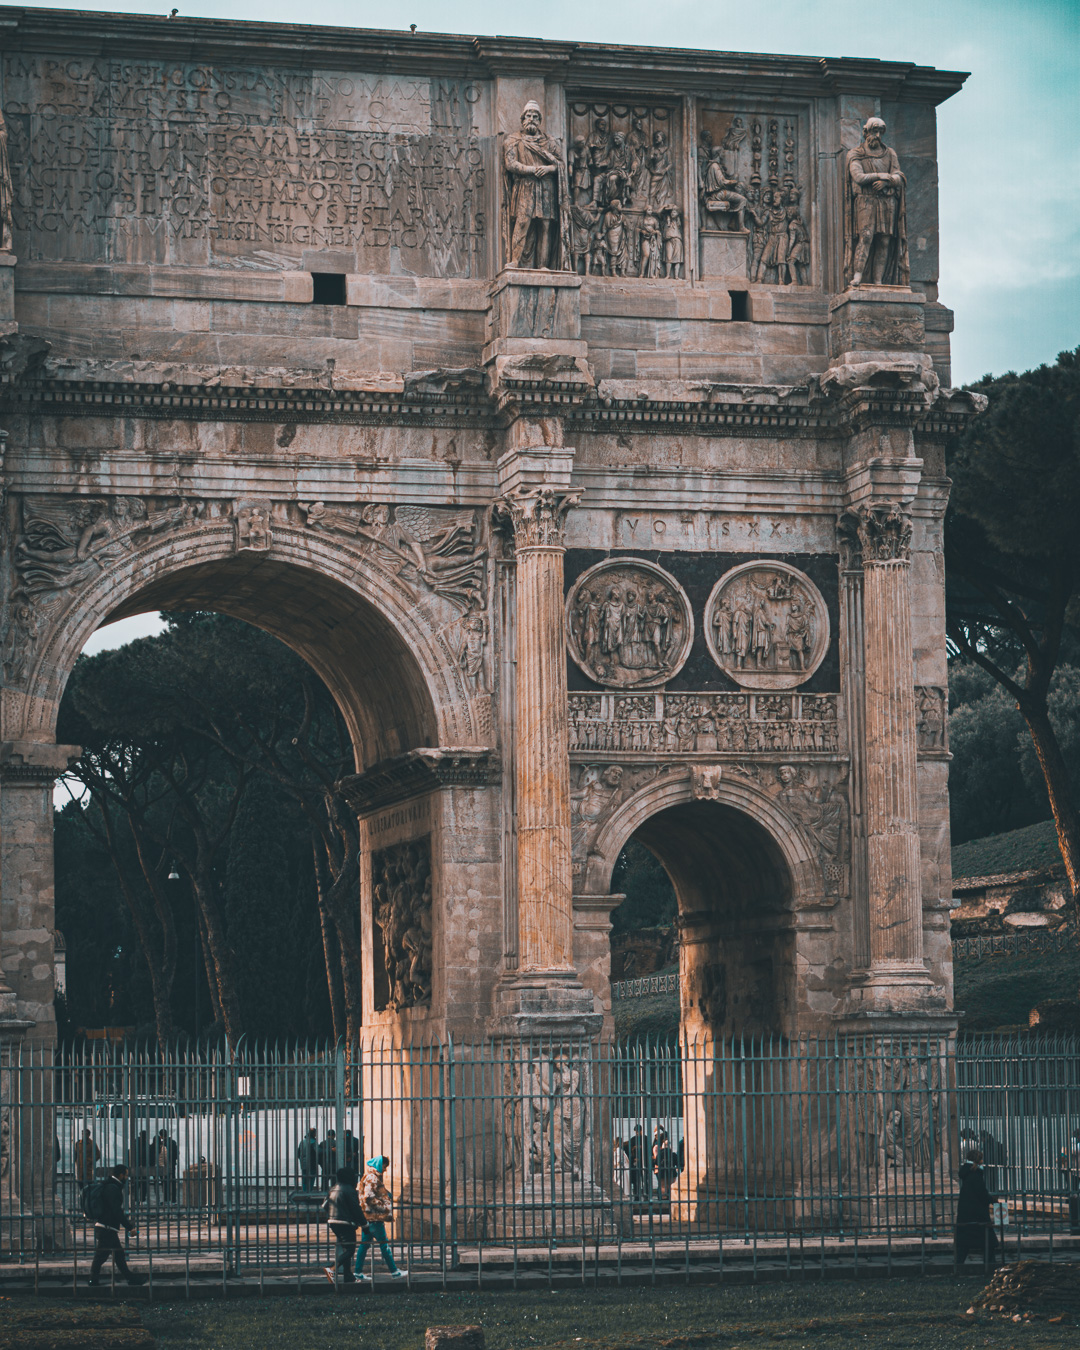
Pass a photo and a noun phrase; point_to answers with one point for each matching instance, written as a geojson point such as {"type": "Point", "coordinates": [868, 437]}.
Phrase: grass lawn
{"type": "Point", "coordinates": [899, 1314]}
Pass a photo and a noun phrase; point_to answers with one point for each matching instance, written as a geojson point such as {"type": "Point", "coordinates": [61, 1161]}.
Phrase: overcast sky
{"type": "Point", "coordinates": [1008, 142]}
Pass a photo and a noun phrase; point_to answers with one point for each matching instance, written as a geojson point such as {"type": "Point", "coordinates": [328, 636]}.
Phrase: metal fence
{"type": "Point", "coordinates": [646, 984]}
{"type": "Point", "coordinates": [1037, 942]}
{"type": "Point", "coordinates": [532, 1143]}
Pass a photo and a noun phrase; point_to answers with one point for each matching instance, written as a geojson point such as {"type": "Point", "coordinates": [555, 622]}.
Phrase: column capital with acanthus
{"type": "Point", "coordinates": [884, 533]}
{"type": "Point", "coordinates": [537, 516]}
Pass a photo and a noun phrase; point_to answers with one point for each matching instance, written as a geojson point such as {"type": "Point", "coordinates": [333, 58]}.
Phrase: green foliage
{"type": "Point", "coordinates": [650, 897]}
{"type": "Point", "coordinates": [1017, 851]}
{"type": "Point", "coordinates": [1000, 992]}
{"type": "Point", "coordinates": [208, 750]}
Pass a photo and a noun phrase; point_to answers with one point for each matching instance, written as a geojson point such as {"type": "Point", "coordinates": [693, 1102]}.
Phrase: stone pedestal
{"type": "Point", "coordinates": [876, 319]}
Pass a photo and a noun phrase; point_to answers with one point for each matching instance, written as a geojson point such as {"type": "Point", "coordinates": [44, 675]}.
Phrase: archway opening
{"type": "Point", "coordinates": [729, 899]}
{"type": "Point", "coordinates": [374, 702]}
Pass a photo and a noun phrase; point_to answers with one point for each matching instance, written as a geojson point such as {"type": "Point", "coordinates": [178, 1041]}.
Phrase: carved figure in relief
{"type": "Point", "coordinates": [253, 528]}
{"type": "Point", "coordinates": [580, 172]}
{"type": "Point", "coordinates": [471, 653]}
{"type": "Point", "coordinates": [818, 809]}
{"type": "Point", "coordinates": [431, 545]}
{"type": "Point", "coordinates": [798, 245]}
{"type": "Point", "coordinates": [598, 146]}
{"type": "Point", "coordinates": [7, 195]}
{"type": "Point", "coordinates": [766, 625]}
{"type": "Point", "coordinates": [674, 257]}
{"type": "Point", "coordinates": [931, 713]}
{"type": "Point", "coordinates": [628, 624]}
{"type": "Point", "coordinates": [618, 173]}
{"type": "Point", "coordinates": [731, 145]}
{"type": "Point", "coordinates": [638, 141]}
{"type": "Point", "coordinates": [722, 195]}
{"type": "Point", "coordinates": [23, 631]}
{"type": "Point", "coordinates": [875, 212]}
{"type": "Point", "coordinates": [615, 239]}
{"type": "Point", "coordinates": [650, 246]}
{"type": "Point", "coordinates": [402, 911]}
{"type": "Point", "coordinates": [65, 542]}
{"type": "Point", "coordinates": [660, 191]}
{"type": "Point", "coordinates": [597, 794]}
{"type": "Point", "coordinates": [539, 196]}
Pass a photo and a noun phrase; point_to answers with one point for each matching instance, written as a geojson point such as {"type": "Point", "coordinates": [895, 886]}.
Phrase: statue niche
{"type": "Point", "coordinates": [401, 927]}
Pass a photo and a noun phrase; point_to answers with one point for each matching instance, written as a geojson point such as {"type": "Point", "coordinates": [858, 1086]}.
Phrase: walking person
{"type": "Point", "coordinates": [87, 1155]}
{"type": "Point", "coordinates": [105, 1205]}
{"type": "Point", "coordinates": [344, 1215]}
{"type": "Point", "coordinates": [974, 1225]}
{"type": "Point", "coordinates": [378, 1206]}
{"type": "Point", "coordinates": [307, 1155]}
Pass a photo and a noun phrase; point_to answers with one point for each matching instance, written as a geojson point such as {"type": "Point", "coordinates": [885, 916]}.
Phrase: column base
{"type": "Point", "coordinates": [545, 1003]}
{"type": "Point", "coordinates": [895, 989]}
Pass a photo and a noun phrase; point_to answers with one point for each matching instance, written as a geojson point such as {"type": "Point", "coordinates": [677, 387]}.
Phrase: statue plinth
{"type": "Point", "coordinates": [876, 318]}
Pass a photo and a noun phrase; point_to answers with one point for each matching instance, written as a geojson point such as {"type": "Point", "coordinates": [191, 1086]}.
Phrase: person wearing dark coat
{"type": "Point", "coordinates": [344, 1215]}
{"type": "Point", "coordinates": [307, 1155]}
{"type": "Point", "coordinates": [109, 1218]}
{"type": "Point", "coordinates": [974, 1224]}
{"type": "Point", "coordinates": [328, 1160]}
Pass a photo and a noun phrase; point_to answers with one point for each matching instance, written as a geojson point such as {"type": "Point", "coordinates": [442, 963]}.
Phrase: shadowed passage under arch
{"type": "Point", "coordinates": [735, 896]}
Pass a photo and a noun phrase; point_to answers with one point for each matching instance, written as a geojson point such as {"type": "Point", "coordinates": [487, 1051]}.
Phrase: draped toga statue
{"type": "Point", "coordinates": [538, 193]}
{"type": "Point", "coordinates": [875, 216]}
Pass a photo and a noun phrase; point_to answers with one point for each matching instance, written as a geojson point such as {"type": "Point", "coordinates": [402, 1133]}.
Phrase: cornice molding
{"type": "Point", "coordinates": [109, 36]}
{"type": "Point", "coordinates": [418, 772]}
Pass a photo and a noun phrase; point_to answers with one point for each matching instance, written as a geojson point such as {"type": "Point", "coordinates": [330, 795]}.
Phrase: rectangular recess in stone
{"type": "Point", "coordinates": [328, 288]}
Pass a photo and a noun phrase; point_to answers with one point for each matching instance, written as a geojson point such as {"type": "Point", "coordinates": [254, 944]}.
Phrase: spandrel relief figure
{"type": "Point", "coordinates": [538, 233]}
{"type": "Point", "coordinates": [766, 625]}
{"type": "Point", "coordinates": [875, 213]}
{"type": "Point", "coordinates": [66, 541]}
{"type": "Point", "coordinates": [628, 623]}
{"type": "Point", "coordinates": [429, 546]}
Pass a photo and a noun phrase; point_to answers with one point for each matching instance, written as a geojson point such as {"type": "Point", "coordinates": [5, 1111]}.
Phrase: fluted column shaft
{"type": "Point", "coordinates": [541, 741]}
{"type": "Point", "coordinates": [893, 852]}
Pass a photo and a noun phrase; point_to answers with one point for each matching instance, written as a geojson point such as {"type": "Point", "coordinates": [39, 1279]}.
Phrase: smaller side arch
{"type": "Point", "coordinates": [676, 789]}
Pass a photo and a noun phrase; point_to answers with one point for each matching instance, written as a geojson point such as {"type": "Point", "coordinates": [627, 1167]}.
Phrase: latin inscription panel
{"type": "Point", "coordinates": [121, 161]}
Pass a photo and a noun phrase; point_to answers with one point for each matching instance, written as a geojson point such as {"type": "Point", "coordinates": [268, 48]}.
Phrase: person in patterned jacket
{"type": "Point", "coordinates": [378, 1206]}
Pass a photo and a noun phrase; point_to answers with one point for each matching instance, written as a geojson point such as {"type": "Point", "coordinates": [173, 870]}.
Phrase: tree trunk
{"type": "Point", "coordinates": [162, 971]}
{"type": "Point", "coordinates": [221, 956]}
{"type": "Point", "coordinates": [1056, 775]}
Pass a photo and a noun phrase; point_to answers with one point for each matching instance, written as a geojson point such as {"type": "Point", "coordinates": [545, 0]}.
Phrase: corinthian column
{"type": "Point", "coordinates": [541, 741]}
{"type": "Point", "coordinates": [892, 832]}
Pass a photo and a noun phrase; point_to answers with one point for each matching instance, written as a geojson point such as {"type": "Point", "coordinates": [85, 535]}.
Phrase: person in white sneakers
{"type": "Point", "coordinates": [378, 1206]}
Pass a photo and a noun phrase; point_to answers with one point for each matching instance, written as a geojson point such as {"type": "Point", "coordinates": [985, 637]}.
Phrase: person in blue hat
{"type": "Point", "coordinates": [378, 1206]}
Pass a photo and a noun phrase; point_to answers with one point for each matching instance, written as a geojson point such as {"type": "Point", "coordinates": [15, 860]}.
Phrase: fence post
{"type": "Point", "coordinates": [339, 1104]}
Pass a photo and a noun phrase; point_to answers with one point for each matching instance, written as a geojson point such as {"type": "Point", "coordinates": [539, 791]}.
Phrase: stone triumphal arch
{"type": "Point", "coordinates": [580, 415]}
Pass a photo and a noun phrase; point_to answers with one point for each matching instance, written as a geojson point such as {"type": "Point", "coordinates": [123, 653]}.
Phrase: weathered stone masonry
{"type": "Point", "coordinates": [641, 535]}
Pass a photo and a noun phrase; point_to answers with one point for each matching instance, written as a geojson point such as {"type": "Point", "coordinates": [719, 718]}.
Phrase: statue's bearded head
{"type": "Point", "coordinates": [873, 132]}
{"type": "Point", "coordinates": [531, 118]}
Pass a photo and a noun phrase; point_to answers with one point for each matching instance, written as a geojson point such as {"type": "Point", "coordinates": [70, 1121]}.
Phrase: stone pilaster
{"type": "Point", "coordinates": [28, 770]}
{"type": "Point", "coordinates": [893, 882]}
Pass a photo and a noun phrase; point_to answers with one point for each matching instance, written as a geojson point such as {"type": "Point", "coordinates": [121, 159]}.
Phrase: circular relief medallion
{"type": "Point", "coordinates": [767, 626]}
{"type": "Point", "coordinates": [628, 624]}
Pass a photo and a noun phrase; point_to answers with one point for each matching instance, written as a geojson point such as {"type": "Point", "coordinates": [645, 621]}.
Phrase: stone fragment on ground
{"type": "Point", "coordinates": [454, 1338]}
{"type": "Point", "coordinates": [1033, 1290]}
